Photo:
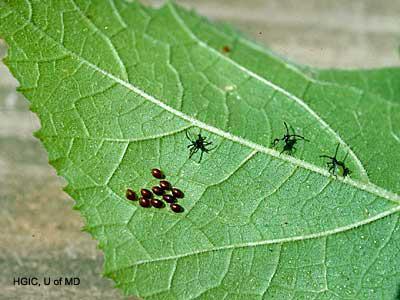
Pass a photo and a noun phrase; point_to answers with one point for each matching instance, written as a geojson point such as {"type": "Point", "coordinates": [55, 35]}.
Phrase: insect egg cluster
{"type": "Point", "coordinates": [168, 193]}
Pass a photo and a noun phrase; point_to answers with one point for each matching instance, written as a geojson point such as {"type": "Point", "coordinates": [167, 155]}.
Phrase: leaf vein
{"type": "Point", "coordinates": [277, 241]}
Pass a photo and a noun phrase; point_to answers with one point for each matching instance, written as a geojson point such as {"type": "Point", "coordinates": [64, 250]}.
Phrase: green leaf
{"type": "Point", "coordinates": [384, 82]}
{"type": "Point", "coordinates": [116, 85]}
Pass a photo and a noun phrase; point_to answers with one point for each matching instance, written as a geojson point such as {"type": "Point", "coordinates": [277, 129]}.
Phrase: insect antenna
{"type": "Point", "coordinates": [337, 148]}
{"type": "Point", "coordinates": [208, 150]}
{"type": "Point", "coordinates": [187, 135]}
{"type": "Point", "coordinates": [297, 135]}
{"type": "Point", "coordinates": [347, 154]}
{"type": "Point", "coordinates": [294, 132]}
{"type": "Point", "coordinates": [287, 129]}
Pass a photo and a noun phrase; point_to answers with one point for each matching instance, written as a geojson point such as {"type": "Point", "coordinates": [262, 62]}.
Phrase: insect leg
{"type": "Point", "coordinates": [193, 151]}
{"type": "Point", "coordinates": [275, 142]}
{"type": "Point", "coordinates": [300, 137]}
{"type": "Point", "coordinates": [209, 149]}
{"type": "Point", "coordinates": [201, 156]}
{"type": "Point", "coordinates": [332, 170]}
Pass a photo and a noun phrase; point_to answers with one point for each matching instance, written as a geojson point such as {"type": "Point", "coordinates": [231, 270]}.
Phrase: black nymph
{"type": "Point", "coordinates": [336, 166]}
{"type": "Point", "coordinates": [289, 139]}
{"type": "Point", "coordinates": [198, 144]}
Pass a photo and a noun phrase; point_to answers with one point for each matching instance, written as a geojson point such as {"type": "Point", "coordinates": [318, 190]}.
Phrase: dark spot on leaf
{"type": "Point", "coordinates": [226, 49]}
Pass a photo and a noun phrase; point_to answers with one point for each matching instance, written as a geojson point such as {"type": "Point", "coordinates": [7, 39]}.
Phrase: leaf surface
{"type": "Point", "coordinates": [116, 85]}
{"type": "Point", "coordinates": [384, 82]}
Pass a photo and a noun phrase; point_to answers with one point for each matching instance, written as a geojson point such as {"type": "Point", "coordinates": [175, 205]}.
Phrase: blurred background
{"type": "Point", "coordinates": [41, 234]}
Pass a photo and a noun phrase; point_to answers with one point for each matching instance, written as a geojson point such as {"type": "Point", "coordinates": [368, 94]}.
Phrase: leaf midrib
{"type": "Point", "coordinates": [371, 188]}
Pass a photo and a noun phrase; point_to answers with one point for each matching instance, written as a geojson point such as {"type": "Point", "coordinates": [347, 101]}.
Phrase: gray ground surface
{"type": "Point", "coordinates": [41, 234]}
